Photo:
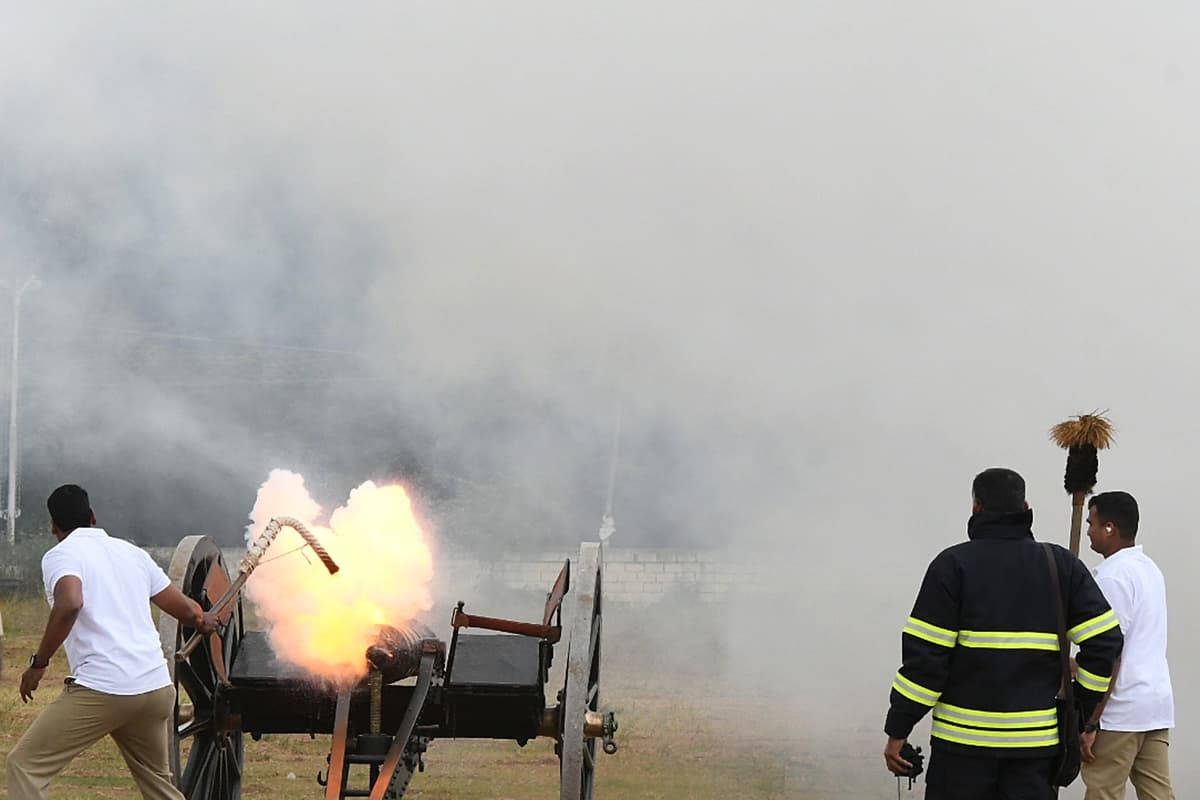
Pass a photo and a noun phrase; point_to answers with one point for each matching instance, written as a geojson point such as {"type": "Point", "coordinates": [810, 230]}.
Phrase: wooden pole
{"type": "Point", "coordinates": [1076, 520]}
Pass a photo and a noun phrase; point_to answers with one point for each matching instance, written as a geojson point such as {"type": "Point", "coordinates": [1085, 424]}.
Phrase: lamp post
{"type": "Point", "coordinates": [608, 525]}
{"type": "Point", "coordinates": [10, 510]}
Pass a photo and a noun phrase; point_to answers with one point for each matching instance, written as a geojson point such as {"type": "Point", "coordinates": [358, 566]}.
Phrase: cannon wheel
{"type": "Point", "coordinates": [581, 694]}
{"type": "Point", "coordinates": [215, 759]}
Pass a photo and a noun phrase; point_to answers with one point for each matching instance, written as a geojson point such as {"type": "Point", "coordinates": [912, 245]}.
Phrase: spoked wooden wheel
{"type": "Point", "coordinates": [214, 762]}
{"type": "Point", "coordinates": [581, 694]}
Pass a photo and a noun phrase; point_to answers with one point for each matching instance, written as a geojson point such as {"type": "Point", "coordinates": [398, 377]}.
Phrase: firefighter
{"type": "Point", "coordinates": [981, 650]}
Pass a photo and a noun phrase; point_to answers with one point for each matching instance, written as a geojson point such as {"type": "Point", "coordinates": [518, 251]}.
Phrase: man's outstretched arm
{"type": "Point", "coordinates": [185, 609]}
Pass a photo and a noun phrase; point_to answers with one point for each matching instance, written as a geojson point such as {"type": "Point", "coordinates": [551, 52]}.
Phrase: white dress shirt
{"type": "Point", "coordinates": [113, 646]}
{"type": "Point", "coordinates": [1142, 699]}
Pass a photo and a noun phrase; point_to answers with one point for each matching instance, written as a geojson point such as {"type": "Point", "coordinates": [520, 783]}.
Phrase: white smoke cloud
{"type": "Point", "coordinates": [835, 259]}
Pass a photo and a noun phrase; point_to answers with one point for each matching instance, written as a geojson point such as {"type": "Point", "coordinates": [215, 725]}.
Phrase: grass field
{"type": "Point", "coordinates": [685, 739]}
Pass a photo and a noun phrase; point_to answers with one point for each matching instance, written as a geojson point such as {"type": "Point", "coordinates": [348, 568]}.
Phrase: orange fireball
{"type": "Point", "coordinates": [325, 623]}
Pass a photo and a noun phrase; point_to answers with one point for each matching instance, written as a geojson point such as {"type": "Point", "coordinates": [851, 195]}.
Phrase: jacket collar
{"type": "Point", "coordinates": [1001, 525]}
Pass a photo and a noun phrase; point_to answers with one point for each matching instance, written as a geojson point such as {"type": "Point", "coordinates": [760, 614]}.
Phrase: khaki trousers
{"type": "Point", "coordinates": [79, 718]}
{"type": "Point", "coordinates": [1124, 756]}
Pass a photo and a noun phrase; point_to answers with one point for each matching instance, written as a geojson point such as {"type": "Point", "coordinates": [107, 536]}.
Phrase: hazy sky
{"type": "Point", "coordinates": [834, 258]}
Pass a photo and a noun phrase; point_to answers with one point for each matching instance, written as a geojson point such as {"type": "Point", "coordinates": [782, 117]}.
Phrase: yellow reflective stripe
{"type": "Point", "coordinates": [915, 691]}
{"type": "Point", "coordinates": [1093, 627]}
{"type": "Point", "coordinates": [1009, 640]}
{"type": "Point", "coordinates": [995, 719]}
{"type": "Point", "coordinates": [1040, 737]}
{"type": "Point", "coordinates": [930, 633]}
{"type": "Point", "coordinates": [1090, 680]}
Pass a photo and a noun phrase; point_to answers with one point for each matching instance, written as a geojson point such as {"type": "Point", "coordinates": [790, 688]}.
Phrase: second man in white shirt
{"type": "Point", "coordinates": [1131, 739]}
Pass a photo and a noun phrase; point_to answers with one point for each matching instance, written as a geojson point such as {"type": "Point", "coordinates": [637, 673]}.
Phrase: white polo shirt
{"type": "Point", "coordinates": [113, 646]}
{"type": "Point", "coordinates": [1142, 699]}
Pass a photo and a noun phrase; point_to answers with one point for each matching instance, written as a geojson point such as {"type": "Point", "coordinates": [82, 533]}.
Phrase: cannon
{"type": "Point", "coordinates": [485, 685]}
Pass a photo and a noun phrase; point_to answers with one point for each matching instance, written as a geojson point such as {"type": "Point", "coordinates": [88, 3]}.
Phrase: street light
{"type": "Point", "coordinates": [11, 512]}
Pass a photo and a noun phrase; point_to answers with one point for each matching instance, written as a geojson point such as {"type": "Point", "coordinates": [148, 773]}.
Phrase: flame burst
{"type": "Point", "coordinates": [325, 623]}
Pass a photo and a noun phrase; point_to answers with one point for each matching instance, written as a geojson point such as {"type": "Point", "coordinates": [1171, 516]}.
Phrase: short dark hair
{"type": "Point", "coordinates": [69, 507]}
{"type": "Point", "coordinates": [999, 489]}
{"type": "Point", "coordinates": [1120, 509]}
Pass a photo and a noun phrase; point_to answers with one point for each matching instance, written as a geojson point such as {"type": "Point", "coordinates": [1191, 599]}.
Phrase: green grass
{"type": "Point", "coordinates": [680, 739]}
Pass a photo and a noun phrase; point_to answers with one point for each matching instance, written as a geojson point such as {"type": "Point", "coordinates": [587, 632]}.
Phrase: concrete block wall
{"type": "Point", "coordinates": [639, 576]}
{"type": "Point", "coordinates": [11, 577]}
{"type": "Point", "coordinates": [634, 575]}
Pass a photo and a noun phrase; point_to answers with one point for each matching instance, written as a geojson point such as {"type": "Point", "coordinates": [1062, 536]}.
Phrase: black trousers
{"type": "Point", "coordinates": [956, 776]}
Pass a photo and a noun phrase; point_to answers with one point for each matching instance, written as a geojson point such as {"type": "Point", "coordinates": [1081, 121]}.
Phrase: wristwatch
{"type": "Point", "coordinates": [1091, 727]}
{"type": "Point", "coordinates": [33, 663]}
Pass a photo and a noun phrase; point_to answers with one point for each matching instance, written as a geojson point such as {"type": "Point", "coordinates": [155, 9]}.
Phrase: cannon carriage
{"type": "Point", "coordinates": [489, 684]}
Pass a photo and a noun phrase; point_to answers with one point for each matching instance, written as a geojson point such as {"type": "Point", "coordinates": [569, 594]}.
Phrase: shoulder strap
{"type": "Point", "coordinates": [1066, 690]}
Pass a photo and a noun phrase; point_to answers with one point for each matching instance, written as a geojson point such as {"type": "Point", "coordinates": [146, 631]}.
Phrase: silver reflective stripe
{"type": "Point", "coordinates": [1043, 737]}
{"type": "Point", "coordinates": [915, 691]}
{"type": "Point", "coordinates": [930, 633]}
{"type": "Point", "coordinates": [1009, 640]}
{"type": "Point", "coordinates": [1093, 627]}
{"type": "Point", "coordinates": [995, 719]}
{"type": "Point", "coordinates": [1090, 680]}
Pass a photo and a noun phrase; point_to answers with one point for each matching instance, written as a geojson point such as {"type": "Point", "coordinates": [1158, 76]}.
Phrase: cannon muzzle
{"type": "Point", "coordinates": [397, 651]}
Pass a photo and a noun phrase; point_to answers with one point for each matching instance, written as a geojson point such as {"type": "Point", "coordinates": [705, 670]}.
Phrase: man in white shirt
{"type": "Point", "coordinates": [98, 588]}
{"type": "Point", "coordinates": [1128, 740]}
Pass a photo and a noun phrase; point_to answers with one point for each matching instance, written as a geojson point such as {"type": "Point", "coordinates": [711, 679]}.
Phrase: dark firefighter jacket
{"type": "Point", "coordinates": [981, 646]}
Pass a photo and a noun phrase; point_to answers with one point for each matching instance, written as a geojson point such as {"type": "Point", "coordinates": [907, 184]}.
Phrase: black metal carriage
{"type": "Point", "coordinates": [484, 685]}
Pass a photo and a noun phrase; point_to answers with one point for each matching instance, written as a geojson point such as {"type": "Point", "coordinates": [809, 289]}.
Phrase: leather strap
{"type": "Point", "coordinates": [1067, 687]}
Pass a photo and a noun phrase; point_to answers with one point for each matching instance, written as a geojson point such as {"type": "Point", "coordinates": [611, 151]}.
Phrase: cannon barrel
{"type": "Point", "coordinates": [397, 651]}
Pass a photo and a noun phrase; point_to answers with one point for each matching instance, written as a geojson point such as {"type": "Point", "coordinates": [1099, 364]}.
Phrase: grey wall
{"type": "Point", "coordinates": [637, 576]}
